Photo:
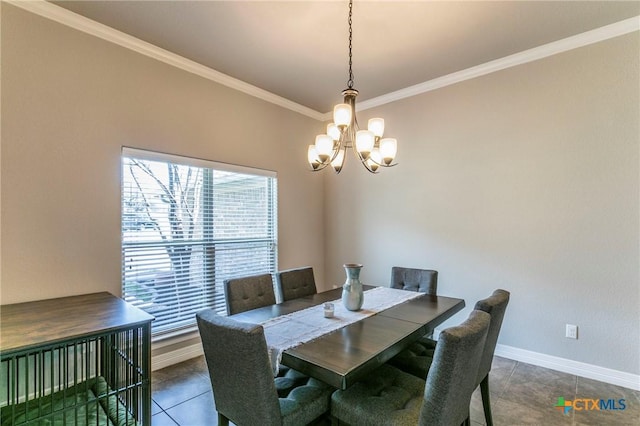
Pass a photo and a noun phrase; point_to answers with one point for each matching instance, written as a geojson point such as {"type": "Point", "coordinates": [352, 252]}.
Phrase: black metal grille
{"type": "Point", "coordinates": [97, 380]}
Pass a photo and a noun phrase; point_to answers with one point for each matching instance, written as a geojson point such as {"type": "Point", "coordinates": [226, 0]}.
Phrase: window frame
{"type": "Point", "coordinates": [213, 284]}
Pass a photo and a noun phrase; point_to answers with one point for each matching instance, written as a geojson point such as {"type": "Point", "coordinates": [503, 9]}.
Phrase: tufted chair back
{"type": "Point", "coordinates": [246, 293]}
{"type": "Point", "coordinates": [422, 280]}
{"type": "Point", "coordinates": [451, 379]}
{"type": "Point", "coordinates": [239, 369]}
{"type": "Point", "coordinates": [242, 380]}
{"type": "Point", "coordinates": [294, 283]}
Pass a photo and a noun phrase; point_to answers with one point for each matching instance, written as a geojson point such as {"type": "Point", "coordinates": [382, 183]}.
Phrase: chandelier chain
{"type": "Point", "coordinates": [350, 81]}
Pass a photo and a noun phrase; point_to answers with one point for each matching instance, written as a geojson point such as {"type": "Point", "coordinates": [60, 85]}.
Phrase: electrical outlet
{"type": "Point", "coordinates": [571, 331]}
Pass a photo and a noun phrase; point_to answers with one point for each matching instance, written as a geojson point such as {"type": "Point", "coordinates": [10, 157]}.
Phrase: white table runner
{"type": "Point", "coordinates": [287, 331]}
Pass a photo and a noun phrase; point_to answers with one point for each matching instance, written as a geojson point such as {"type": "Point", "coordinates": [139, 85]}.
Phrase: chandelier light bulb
{"type": "Point", "coordinates": [342, 115]}
{"type": "Point", "coordinates": [365, 139]}
{"type": "Point", "coordinates": [374, 160]}
{"type": "Point", "coordinates": [324, 146]}
{"type": "Point", "coordinates": [376, 125]}
{"type": "Point", "coordinates": [338, 161]}
{"type": "Point", "coordinates": [333, 131]}
{"type": "Point", "coordinates": [388, 149]}
{"type": "Point", "coordinates": [312, 157]}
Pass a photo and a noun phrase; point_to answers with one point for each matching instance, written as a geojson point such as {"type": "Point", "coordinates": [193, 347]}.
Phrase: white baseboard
{"type": "Point", "coordinates": [174, 357]}
{"type": "Point", "coordinates": [589, 371]}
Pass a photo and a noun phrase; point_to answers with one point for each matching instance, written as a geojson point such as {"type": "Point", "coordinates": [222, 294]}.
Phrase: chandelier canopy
{"type": "Point", "coordinates": [369, 146]}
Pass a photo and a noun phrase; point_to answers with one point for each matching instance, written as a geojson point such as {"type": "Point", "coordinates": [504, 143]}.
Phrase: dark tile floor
{"type": "Point", "coordinates": [522, 394]}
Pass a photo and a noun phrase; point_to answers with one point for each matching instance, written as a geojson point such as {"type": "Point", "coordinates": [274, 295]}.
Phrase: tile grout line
{"type": "Point", "coordinates": [162, 411]}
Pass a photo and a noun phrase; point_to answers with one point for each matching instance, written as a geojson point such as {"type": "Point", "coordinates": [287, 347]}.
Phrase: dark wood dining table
{"type": "Point", "coordinates": [345, 356]}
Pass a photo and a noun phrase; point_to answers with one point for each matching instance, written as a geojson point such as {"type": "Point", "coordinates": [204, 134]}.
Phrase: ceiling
{"type": "Point", "coordinates": [299, 49]}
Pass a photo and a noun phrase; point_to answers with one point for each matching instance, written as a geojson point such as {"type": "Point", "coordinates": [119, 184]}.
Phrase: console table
{"type": "Point", "coordinates": [75, 360]}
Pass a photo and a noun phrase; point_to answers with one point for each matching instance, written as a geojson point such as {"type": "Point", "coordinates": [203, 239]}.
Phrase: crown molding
{"type": "Point", "coordinates": [80, 23]}
{"type": "Point", "coordinates": [86, 25]}
{"type": "Point", "coordinates": [584, 39]}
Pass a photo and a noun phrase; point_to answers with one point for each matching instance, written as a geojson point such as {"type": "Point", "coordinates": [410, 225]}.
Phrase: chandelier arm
{"type": "Point", "coordinates": [382, 164]}
{"type": "Point", "coordinates": [363, 161]}
{"type": "Point", "coordinates": [336, 151]}
{"type": "Point", "coordinates": [319, 166]}
{"type": "Point", "coordinates": [344, 161]}
{"type": "Point", "coordinates": [350, 134]}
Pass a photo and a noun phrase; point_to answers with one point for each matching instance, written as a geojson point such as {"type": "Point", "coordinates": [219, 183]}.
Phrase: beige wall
{"type": "Point", "coordinates": [70, 101]}
{"type": "Point", "coordinates": [526, 179]}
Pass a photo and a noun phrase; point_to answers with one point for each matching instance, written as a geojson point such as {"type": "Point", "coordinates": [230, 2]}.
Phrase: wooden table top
{"type": "Point", "coordinates": [345, 356]}
{"type": "Point", "coordinates": [28, 325]}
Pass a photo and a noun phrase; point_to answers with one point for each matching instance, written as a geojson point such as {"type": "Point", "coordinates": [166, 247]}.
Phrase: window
{"type": "Point", "coordinates": [188, 225]}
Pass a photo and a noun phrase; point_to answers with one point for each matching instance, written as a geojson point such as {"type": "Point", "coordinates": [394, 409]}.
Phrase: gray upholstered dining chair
{"type": "Point", "coordinates": [294, 283]}
{"type": "Point", "coordinates": [256, 291]}
{"type": "Point", "coordinates": [389, 396]}
{"type": "Point", "coordinates": [496, 306]}
{"type": "Point", "coordinates": [417, 359]}
{"type": "Point", "coordinates": [242, 380]}
{"type": "Point", "coordinates": [245, 293]}
{"type": "Point", "coordinates": [422, 280]}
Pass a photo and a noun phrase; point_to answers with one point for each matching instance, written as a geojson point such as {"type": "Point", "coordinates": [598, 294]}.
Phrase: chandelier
{"type": "Point", "coordinates": [369, 146]}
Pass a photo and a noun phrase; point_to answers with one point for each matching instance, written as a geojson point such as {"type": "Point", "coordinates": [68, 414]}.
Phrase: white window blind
{"type": "Point", "coordinates": [188, 225]}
